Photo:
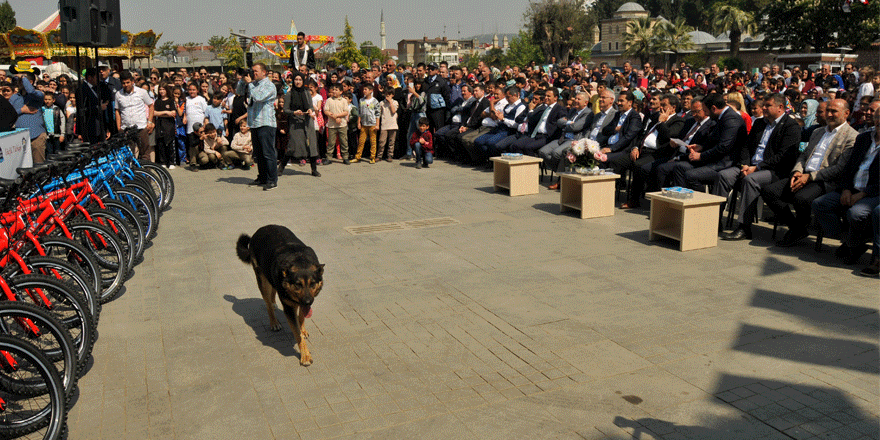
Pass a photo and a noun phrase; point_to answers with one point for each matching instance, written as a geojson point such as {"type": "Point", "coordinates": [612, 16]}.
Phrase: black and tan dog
{"type": "Point", "coordinates": [284, 264]}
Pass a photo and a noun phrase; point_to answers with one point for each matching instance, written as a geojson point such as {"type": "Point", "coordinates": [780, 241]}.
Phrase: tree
{"type": "Point", "coordinates": [348, 51]}
{"type": "Point", "coordinates": [641, 39]}
{"type": "Point", "coordinates": [675, 36]}
{"type": "Point", "coordinates": [494, 57]}
{"type": "Point", "coordinates": [523, 51]}
{"type": "Point", "coordinates": [216, 45]}
{"type": "Point", "coordinates": [560, 26]}
{"type": "Point", "coordinates": [371, 52]}
{"type": "Point", "coordinates": [820, 24]}
{"type": "Point", "coordinates": [168, 50]}
{"type": "Point", "coordinates": [7, 17]}
{"type": "Point", "coordinates": [728, 17]}
{"type": "Point", "coordinates": [232, 53]}
{"type": "Point", "coordinates": [190, 47]}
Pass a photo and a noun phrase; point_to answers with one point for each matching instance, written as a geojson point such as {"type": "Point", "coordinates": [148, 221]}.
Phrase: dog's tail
{"type": "Point", "coordinates": [241, 248]}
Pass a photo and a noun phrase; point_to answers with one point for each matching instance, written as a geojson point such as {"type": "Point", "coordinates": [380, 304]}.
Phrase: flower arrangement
{"type": "Point", "coordinates": [585, 153]}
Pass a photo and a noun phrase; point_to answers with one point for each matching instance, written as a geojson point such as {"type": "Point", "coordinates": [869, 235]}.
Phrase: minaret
{"type": "Point", "coordinates": [495, 41]}
{"type": "Point", "coordinates": [382, 28]}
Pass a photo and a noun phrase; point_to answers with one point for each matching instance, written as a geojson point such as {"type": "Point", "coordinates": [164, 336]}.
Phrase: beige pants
{"type": "Point", "coordinates": [143, 149]}
{"type": "Point", "coordinates": [38, 148]}
{"type": "Point", "coordinates": [231, 156]}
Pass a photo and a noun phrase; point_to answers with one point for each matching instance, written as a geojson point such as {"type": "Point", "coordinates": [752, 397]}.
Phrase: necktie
{"type": "Point", "coordinates": [693, 130]}
{"type": "Point", "coordinates": [616, 136]}
{"type": "Point", "coordinates": [541, 122]}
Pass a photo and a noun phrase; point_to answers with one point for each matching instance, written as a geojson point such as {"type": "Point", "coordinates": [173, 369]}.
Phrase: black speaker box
{"type": "Point", "coordinates": [90, 23]}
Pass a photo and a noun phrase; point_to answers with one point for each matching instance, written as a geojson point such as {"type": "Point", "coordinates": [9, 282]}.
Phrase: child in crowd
{"type": "Point", "coordinates": [196, 107]}
{"type": "Point", "coordinates": [422, 143]}
{"type": "Point", "coordinates": [55, 124]}
{"type": "Point", "coordinates": [369, 112]}
{"type": "Point", "coordinates": [194, 144]}
{"type": "Point", "coordinates": [337, 112]}
{"type": "Point", "coordinates": [353, 118]}
{"type": "Point", "coordinates": [241, 148]}
{"type": "Point", "coordinates": [215, 114]}
{"type": "Point", "coordinates": [318, 121]}
{"type": "Point", "coordinates": [213, 147]}
{"type": "Point", "coordinates": [388, 115]}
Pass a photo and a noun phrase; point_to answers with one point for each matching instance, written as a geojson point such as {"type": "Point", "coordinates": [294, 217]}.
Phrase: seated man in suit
{"type": "Point", "coordinates": [814, 173]}
{"type": "Point", "coordinates": [855, 198]}
{"type": "Point", "coordinates": [460, 114]}
{"type": "Point", "coordinates": [473, 125]}
{"type": "Point", "coordinates": [655, 148]}
{"type": "Point", "coordinates": [767, 157]}
{"type": "Point", "coordinates": [572, 128]}
{"type": "Point", "coordinates": [534, 108]}
{"type": "Point", "coordinates": [697, 130]}
{"type": "Point", "coordinates": [704, 161]}
{"type": "Point", "coordinates": [509, 118]}
{"type": "Point", "coordinates": [622, 133]}
{"type": "Point", "coordinates": [547, 128]}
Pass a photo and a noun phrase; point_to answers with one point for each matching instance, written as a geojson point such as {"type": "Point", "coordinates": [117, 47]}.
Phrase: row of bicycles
{"type": "Point", "coordinates": [71, 231]}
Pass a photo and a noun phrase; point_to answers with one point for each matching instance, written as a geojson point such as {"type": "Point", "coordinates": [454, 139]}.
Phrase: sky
{"type": "Point", "coordinates": [183, 21]}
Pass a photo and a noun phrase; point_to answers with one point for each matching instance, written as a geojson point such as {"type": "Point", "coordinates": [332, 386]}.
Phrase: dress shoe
{"type": "Point", "coordinates": [740, 233]}
{"type": "Point", "coordinates": [792, 237]}
{"type": "Point", "coordinates": [554, 186]}
{"type": "Point", "coordinates": [270, 186]}
{"type": "Point", "coordinates": [873, 269]}
{"type": "Point", "coordinates": [316, 173]}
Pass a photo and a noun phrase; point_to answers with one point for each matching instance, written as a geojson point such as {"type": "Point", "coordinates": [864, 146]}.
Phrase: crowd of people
{"type": "Point", "coordinates": [795, 138]}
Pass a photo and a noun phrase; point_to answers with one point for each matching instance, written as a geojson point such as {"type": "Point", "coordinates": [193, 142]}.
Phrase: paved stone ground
{"type": "Point", "coordinates": [513, 320]}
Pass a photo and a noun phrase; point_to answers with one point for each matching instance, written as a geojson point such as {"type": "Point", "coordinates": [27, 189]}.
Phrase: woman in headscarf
{"type": "Point", "coordinates": [808, 112]}
{"type": "Point", "coordinates": [299, 110]}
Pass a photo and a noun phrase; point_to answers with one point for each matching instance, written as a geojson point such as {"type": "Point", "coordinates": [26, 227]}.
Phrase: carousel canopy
{"type": "Point", "coordinates": [32, 43]}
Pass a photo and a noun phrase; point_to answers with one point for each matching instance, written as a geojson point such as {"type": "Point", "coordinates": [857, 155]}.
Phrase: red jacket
{"type": "Point", "coordinates": [426, 139]}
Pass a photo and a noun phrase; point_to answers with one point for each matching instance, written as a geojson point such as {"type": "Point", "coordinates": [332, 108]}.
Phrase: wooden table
{"type": "Point", "coordinates": [593, 196]}
{"type": "Point", "coordinates": [693, 222]}
{"type": "Point", "coordinates": [519, 176]}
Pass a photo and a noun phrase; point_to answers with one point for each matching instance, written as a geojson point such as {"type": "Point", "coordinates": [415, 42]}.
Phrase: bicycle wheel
{"type": "Point", "coordinates": [62, 270]}
{"type": "Point", "coordinates": [63, 248]}
{"type": "Point", "coordinates": [107, 251]}
{"type": "Point", "coordinates": [40, 416]}
{"type": "Point", "coordinates": [167, 181]}
{"type": "Point", "coordinates": [153, 183]}
{"type": "Point", "coordinates": [40, 328]}
{"type": "Point", "coordinates": [144, 207]}
{"type": "Point", "coordinates": [66, 305]}
{"type": "Point", "coordinates": [122, 232]}
{"type": "Point", "coordinates": [131, 219]}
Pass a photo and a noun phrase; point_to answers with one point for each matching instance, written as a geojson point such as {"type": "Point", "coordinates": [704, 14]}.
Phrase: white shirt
{"type": "Point", "coordinates": [133, 107]}
{"type": "Point", "coordinates": [542, 125]}
{"type": "Point", "coordinates": [815, 160]}
{"type": "Point", "coordinates": [195, 111]}
{"type": "Point", "coordinates": [598, 125]}
{"type": "Point", "coordinates": [499, 106]}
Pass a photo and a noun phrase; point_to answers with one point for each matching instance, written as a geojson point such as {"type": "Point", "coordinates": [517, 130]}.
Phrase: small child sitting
{"type": "Point", "coordinates": [213, 147]}
{"type": "Point", "coordinates": [422, 143]}
{"type": "Point", "coordinates": [241, 148]}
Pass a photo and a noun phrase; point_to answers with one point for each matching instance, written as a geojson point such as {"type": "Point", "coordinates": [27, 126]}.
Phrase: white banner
{"type": "Point", "coordinates": [15, 147]}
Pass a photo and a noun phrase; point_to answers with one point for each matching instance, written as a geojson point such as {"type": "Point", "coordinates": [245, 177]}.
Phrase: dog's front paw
{"type": "Point", "coordinates": [275, 327]}
{"type": "Point", "coordinates": [306, 360]}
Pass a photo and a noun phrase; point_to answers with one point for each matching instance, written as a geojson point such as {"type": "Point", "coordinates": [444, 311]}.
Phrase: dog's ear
{"type": "Point", "coordinates": [320, 270]}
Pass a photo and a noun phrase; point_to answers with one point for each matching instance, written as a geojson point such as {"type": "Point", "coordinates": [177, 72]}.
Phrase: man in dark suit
{"type": "Point", "coordinates": [857, 195]}
{"type": "Point", "coordinates": [655, 148]}
{"type": "Point", "coordinates": [471, 123]}
{"type": "Point", "coordinates": [459, 115]}
{"type": "Point", "coordinates": [697, 130]}
{"type": "Point", "coordinates": [571, 128]}
{"type": "Point", "coordinates": [301, 54]}
{"type": "Point", "coordinates": [767, 157]}
{"type": "Point", "coordinates": [705, 160]}
{"type": "Point", "coordinates": [622, 132]}
{"type": "Point", "coordinates": [547, 128]}
{"type": "Point", "coordinates": [535, 108]}
{"type": "Point", "coordinates": [815, 173]}
{"type": "Point", "coordinates": [89, 120]}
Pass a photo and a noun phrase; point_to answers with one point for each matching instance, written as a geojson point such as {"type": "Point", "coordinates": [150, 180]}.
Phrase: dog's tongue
{"type": "Point", "coordinates": [309, 312]}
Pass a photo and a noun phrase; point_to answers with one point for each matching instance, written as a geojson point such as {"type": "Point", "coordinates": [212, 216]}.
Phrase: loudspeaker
{"type": "Point", "coordinates": [109, 31]}
{"type": "Point", "coordinates": [90, 23]}
{"type": "Point", "coordinates": [77, 22]}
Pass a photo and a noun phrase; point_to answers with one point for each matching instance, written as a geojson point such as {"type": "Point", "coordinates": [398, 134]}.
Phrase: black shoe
{"type": "Point", "coordinates": [257, 182]}
{"type": "Point", "coordinates": [425, 165]}
{"type": "Point", "coordinates": [854, 254]}
{"type": "Point", "coordinates": [792, 237]}
{"type": "Point", "coordinates": [346, 161]}
{"type": "Point", "coordinates": [270, 186]}
{"type": "Point", "coordinates": [873, 269]}
{"type": "Point", "coordinates": [842, 252]}
{"type": "Point", "coordinates": [316, 173]}
{"type": "Point", "coordinates": [740, 233]}
{"type": "Point", "coordinates": [418, 165]}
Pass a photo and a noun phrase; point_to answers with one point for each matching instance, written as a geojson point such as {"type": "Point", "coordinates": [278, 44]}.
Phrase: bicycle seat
{"type": "Point", "coordinates": [39, 168]}
{"type": "Point", "coordinates": [6, 183]}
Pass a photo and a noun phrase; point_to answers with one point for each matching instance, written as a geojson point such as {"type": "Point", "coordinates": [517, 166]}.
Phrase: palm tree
{"type": "Point", "coordinates": [641, 39]}
{"type": "Point", "coordinates": [675, 36]}
{"type": "Point", "coordinates": [729, 18]}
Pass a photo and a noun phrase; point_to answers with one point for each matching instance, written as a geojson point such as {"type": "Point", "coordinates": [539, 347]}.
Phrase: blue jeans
{"type": "Point", "coordinates": [264, 154]}
{"type": "Point", "coordinates": [427, 158]}
{"type": "Point", "coordinates": [856, 219]}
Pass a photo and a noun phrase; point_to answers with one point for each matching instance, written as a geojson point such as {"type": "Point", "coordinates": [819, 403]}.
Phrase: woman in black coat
{"type": "Point", "coordinates": [303, 142]}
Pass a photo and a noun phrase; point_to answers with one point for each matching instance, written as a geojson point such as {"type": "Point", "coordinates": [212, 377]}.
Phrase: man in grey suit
{"type": "Point", "coordinates": [814, 173]}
